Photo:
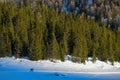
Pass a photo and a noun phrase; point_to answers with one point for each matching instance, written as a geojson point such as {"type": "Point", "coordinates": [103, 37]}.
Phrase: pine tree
{"type": "Point", "coordinates": [110, 48]}
{"type": "Point", "coordinates": [5, 44]}
{"type": "Point", "coordinates": [94, 54]}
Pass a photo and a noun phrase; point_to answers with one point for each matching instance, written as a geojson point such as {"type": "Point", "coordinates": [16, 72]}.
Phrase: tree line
{"type": "Point", "coordinates": [43, 33]}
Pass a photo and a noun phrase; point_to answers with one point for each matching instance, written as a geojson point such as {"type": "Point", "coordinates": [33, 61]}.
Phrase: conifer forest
{"type": "Point", "coordinates": [42, 33]}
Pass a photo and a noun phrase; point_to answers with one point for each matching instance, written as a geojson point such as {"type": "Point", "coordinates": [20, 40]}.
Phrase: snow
{"type": "Point", "coordinates": [90, 2]}
{"type": "Point", "coordinates": [51, 76]}
{"type": "Point", "coordinates": [20, 69]}
{"type": "Point", "coordinates": [10, 63]}
{"type": "Point", "coordinates": [66, 6]}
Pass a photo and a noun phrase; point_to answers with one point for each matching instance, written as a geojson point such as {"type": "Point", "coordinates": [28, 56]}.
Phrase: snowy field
{"type": "Point", "coordinates": [24, 69]}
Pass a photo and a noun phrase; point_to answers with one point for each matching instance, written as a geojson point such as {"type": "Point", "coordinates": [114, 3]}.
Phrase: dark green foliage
{"type": "Point", "coordinates": [42, 33]}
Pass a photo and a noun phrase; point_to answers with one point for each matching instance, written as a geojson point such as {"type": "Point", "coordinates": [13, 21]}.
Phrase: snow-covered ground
{"type": "Point", "coordinates": [19, 69]}
{"type": "Point", "coordinates": [10, 63]}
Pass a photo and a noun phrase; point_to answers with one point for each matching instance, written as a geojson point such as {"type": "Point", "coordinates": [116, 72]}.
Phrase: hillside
{"type": "Point", "coordinates": [105, 12]}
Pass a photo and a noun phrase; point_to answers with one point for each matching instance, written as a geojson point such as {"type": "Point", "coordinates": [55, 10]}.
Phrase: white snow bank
{"type": "Point", "coordinates": [12, 64]}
